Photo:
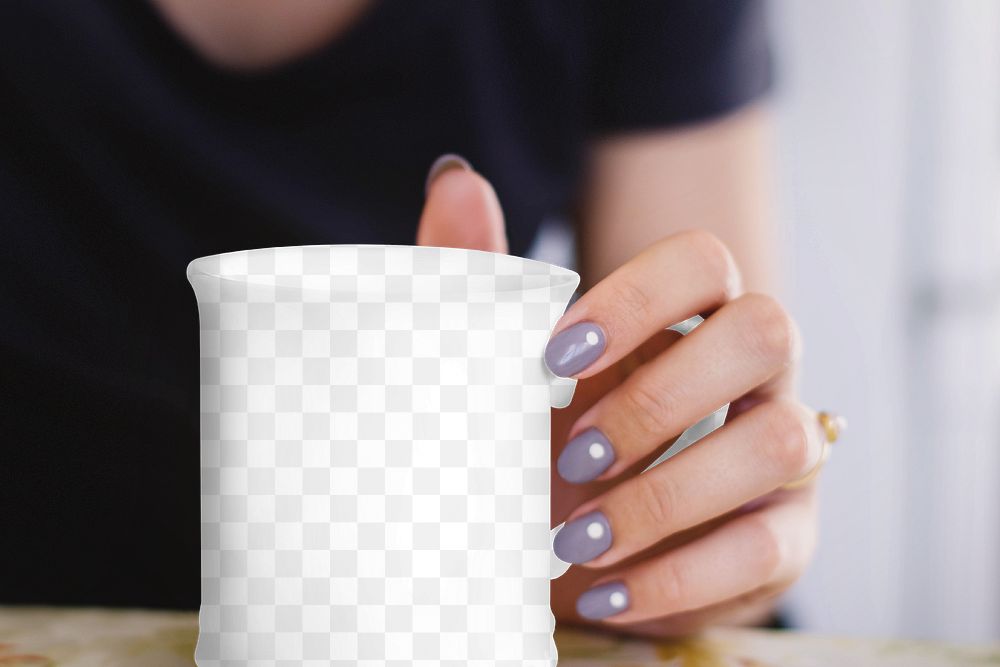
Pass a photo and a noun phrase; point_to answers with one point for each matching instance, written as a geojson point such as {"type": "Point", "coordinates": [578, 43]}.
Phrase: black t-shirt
{"type": "Point", "coordinates": [124, 155]}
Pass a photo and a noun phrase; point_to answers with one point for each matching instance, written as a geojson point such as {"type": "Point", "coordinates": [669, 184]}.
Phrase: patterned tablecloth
{"type": "Point", "coordinates": [37, 637]}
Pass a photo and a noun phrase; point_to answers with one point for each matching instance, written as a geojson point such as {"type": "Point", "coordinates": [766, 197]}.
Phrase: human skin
{"type": "Point", "coordinates": [708, 537]}
{"type": "Point", "coordinates": [672, 223]}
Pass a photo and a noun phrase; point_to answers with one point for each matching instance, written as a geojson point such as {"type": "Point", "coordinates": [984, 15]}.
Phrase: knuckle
{"type": "Point", "coordinates": [715, 260]}
{"type": "Point", "coordinates": [648, 406]}
{"type": "Point", "coordinates": [766, 545]}
{"type": "Point", "coordinates": [772, 332]}
{"type": "Point", "coordinates": [672, 584]}
{"type": "Point", "coordinates": [786, 438]}
{"type": "Point", "coordinates": [656, 499]}
{"type": "Point", "coordinates": [632, 304]}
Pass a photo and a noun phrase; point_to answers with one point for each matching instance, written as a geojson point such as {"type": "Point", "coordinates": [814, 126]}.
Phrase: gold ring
{"type": "Point", "coordinates": [832, 426]}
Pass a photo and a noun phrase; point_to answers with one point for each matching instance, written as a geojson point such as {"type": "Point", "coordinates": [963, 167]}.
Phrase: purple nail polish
{"type": "Point", "coordinates": [585, 457]}
{"type": "Point", "coordinates": [583, 539]}
{"type": "Point", "coordinates": [603, 601]}
{"type": "Point", "coordinates": [574, 349]}
{"type": "Point", "coordinates": [443, 164]}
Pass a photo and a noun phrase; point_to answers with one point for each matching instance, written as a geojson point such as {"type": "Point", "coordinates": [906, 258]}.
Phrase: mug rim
{"type": "Point", "coordinates": [203, 266]}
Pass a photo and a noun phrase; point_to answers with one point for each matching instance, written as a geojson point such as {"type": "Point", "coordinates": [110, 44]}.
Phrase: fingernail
{"type": "Point", "coordinates": [585, 457]}
{"type": "Point", "coordinates": [583, 539]}
{"type": "Point", "coordinates": [443, 164]}
{"type": "Point", "coordinates": [603, 601]}
{"type": "Point", "coordinates": [572, 350]}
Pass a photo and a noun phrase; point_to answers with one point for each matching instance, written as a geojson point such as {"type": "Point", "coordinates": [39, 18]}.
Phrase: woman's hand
{"type": "Point", "coordinates": [708, 536]}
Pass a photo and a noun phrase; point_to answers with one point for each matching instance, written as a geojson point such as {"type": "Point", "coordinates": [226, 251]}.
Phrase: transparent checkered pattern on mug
{"type": "Point", "coordinates": [375, 456]}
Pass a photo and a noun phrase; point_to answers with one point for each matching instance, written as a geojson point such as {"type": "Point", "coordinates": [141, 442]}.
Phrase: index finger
{"type": "Point", "coordinates": [683, 275]}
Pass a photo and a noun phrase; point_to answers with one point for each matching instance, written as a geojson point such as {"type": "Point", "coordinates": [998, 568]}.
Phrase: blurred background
{"type": "Point", "coordinates": [889, 148]}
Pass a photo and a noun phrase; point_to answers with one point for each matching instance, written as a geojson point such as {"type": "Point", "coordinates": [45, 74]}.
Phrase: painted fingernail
{"type": "Point", "coordinates": [443, 164]}
{"type": "Point", "coordinates": [585, 457]}
{"type": "Point", "coordinates": [572, 350]}
{"type": "Point", "coordinates": [603, 601]}
{"type": "Point", "coordinates": [583, 539]}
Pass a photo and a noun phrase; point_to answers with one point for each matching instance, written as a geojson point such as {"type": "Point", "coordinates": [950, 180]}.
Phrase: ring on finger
{"type": "Point", "coordinates": [832, 425]}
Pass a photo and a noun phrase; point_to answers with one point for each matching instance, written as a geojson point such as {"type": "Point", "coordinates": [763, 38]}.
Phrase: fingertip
{"type": "Point", "coordinates": [462, 210]}
{"type": "Point", "coordinates": [575, 349]}
{"type": "Point", "coordinates": [446, 162]}
{"type": "Point", "coordinates": [463, 191]}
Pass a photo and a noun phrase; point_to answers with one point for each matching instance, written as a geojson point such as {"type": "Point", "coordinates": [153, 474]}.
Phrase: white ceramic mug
{"type": "Point", "coordinates": [375, 456]}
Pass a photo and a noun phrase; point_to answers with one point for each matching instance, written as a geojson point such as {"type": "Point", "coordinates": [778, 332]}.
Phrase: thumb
{"type": "Point", "coordinates": [461, 209]}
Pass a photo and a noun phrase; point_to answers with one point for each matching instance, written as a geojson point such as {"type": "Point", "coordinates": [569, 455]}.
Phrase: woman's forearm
{"type": "Point", "coordinates": [714, 176]}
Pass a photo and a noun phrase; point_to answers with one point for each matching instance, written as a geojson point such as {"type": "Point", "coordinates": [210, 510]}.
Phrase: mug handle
{"type": "Point", "coordinates": [692, 434]}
